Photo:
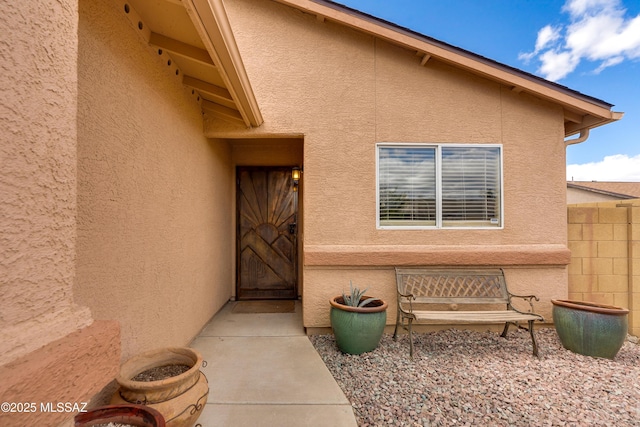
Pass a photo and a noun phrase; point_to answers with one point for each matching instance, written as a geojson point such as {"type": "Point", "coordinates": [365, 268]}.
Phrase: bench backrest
{"type": "Point", "coordinates": [453, 285]}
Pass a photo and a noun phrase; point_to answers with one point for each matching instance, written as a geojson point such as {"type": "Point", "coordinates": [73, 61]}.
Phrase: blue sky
{"type": "Point", "coordinates": [592, 46]}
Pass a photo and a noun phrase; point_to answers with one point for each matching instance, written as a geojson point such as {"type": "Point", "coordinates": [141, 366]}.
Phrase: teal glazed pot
{"type": "Point", "coordinates": [591, 329]}
{"type": "Point", "coordinates": [358, 329]}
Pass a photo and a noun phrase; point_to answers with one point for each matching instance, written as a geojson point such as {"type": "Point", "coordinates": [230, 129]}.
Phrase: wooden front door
{"type": "Point", "coordinates": [266, 239]}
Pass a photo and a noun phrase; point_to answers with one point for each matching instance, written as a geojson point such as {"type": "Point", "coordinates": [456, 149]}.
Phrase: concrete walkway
{"type": "Point", "coordinates": [263, 371]}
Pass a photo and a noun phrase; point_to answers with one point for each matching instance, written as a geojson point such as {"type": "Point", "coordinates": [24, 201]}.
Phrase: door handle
{"type": "Point", "coordinates": [292, 228]}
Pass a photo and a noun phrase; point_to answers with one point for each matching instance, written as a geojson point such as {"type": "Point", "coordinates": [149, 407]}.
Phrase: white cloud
{"type": "Point", "coordinates": [556, 65]}
{"type": "Point", "coordinates": [618, 167]}
{"type": "Point", "coordinates": [546, 36]}
{"type": "Point", "coordinates": [580, 7]}
{"type": "Point", "coordinates": [599, 32]}
{"type": "Point", "coordinates": [608, 63]}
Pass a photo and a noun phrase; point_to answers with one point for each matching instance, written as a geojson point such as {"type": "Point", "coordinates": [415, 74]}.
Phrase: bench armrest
{"type": "Point", "coordinates": [527, 298]}
{"type": "Point", "coordinates": [409, 297]}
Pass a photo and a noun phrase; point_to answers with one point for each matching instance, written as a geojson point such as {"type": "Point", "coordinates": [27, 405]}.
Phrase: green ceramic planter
{"type": "Point", "coordinates": [358, 329]}
{"type": "Point", "coordinates": [590, 329]}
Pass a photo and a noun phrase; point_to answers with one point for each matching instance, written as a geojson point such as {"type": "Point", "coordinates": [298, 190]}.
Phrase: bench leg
{"type": "Point", "coordinates": [533, 339]}
{"type": "Point", "coordinates": [506, 329]}
{"type": "Point", "coordinates": [395, 331]}
{"type": "Point", "coordinates": [410, 339]}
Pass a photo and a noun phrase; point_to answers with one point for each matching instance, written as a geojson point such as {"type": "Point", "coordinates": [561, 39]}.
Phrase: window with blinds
{"type": "Point", "coordinates": [407, 185]}
{"type": "Point", "coordinates": [439, 186]}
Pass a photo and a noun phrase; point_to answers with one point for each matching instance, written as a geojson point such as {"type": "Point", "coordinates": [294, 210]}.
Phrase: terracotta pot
{"type": "Point", "coordinates": [358, 329]}
{"type": "Point", "coordinates": [589, 328]}
{"type": "Point", "coordinates": [180, 399]}
{"type": "Point", "coordinates": [137, 415]}
{"type": "Point", "coordinates": [158, 391]}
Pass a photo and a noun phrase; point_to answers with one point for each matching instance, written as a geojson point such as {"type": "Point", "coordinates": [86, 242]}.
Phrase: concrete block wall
{"type": "Point", "coordinates": [604, 239]}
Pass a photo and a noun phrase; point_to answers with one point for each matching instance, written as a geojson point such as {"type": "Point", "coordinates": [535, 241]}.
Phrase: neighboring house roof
{"type": "Point", "coordinates": [621, 190]}
{"type": "Point", "coordinates": [197, 37]}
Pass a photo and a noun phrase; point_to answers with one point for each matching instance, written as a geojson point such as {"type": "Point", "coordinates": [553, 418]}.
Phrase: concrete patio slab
{"type": "Point", "coordinates": [277, 415]}
{"type": "Point", "coordinates": [229, 324]}
{"type": "Point", "coordinates": [263, 371]}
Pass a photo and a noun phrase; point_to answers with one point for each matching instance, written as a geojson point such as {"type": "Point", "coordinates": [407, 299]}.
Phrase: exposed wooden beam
{"type": "Point", "coordinates": [210, 91]}
{"type": "Point", "coordinates": [208, 88]}
{"type": "Point", "coordinates": [182, 49]}
{"type": "Point", "coordinates": [425, 59]}
{"type": "Point", "coordinates": [222, 111]}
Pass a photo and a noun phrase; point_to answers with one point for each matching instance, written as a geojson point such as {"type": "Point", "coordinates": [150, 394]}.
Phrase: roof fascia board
{"type": "Point", "coordinates": [466, 60]}
{"type": "Point", "coordinates": [212, 23]}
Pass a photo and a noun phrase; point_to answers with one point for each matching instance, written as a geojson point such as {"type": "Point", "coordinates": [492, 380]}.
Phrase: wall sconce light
{"type": "Point", "coordinates": [295, 176]}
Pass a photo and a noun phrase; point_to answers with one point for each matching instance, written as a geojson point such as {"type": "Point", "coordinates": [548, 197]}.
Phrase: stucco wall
{"type": "Point", "coordinates": [154, 223]}
{"type": "Point", "coordinates": [47, 341]}
{"type": "Point", "coordinates": [37, 176]}
{"type": "Point", "coordinates": [346, 91]}
{"type": "Point", "coordinates": [71, 369]}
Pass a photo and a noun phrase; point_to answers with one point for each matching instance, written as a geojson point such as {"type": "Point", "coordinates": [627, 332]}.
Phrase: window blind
{"type": "Point", "coordinates": [407, 186]}
{"type": "Point", "coordinates": [470, 185]}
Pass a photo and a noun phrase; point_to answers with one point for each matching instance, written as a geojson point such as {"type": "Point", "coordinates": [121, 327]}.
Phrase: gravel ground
{"type": "Point", "coordinates": [480, 379]}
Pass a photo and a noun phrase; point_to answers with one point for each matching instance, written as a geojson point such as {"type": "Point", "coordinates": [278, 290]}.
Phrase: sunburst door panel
{"type": "Point", "coordinates": [266, 234]}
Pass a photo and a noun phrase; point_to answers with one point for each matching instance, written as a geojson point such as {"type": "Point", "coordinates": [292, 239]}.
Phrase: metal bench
{"type": "Point", "coordinates": [434, 295]}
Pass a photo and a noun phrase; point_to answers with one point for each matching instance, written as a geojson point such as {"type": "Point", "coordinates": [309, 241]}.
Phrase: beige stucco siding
{"type": "Point", "coordinates": [154, 223]}
{"type": "Point", "coordinates": [37, 176]}
{"type": "Point", "coordinates": [345, 92]}
{"type": "Point", "coordinates": [47, 341]}
{"type": "Point", "coordinates": [432, 103]}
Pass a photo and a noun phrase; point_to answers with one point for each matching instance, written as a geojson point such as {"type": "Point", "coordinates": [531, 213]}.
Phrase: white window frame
{"type": "Point", "coordinates": [438, 165]}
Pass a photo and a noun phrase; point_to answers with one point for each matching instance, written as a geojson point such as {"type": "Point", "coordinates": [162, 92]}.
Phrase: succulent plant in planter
{"type": "Point", "coordinates": [357, 320]}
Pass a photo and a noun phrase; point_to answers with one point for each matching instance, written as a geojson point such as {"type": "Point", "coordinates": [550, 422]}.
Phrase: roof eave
{"type": "Point", "coordinates": [210, 20]}
{"type": "Point", "coordinates": [588, 122]}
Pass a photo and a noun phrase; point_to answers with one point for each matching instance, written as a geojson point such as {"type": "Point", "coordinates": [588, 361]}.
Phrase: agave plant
{"type": "Point", "coordinates": [353, 299]}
